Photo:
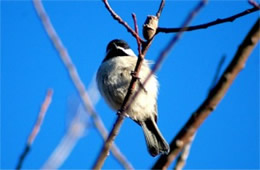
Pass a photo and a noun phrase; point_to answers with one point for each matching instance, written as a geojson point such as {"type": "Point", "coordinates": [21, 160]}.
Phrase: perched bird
{"type": "Point", "coordinates": [113, 79]}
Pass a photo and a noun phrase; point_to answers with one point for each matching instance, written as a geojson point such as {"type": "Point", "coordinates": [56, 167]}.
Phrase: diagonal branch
{"type": "Point", "coordinates": [128, 99]}
{"type": "Point", "coordinates": [181, 160]}
{"type": "Point", "coordinates": [254, 3]}
{"type": "Point", "coordinates": [36, 128]}
{"type": "Point", "coordinates": [159, 12]}
{"type": "Point", "coordinates": [65, 57]}
{"type": "Point", "coordinates": [209, 24]}
{"type": "Point", "coordinates": [137, 37]}
{"type": "Point", "coordinates": [169, 46]}
{"type": "Point", "coordinates": [121, 113]}
{"type": "Point", "coordinates": [214, 97]}
{"type": "Point", "coordinates": [120, 20]}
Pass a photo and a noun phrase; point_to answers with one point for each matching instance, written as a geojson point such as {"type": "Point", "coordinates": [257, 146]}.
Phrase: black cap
{"type": "Point", "coordinates": [118, 43]}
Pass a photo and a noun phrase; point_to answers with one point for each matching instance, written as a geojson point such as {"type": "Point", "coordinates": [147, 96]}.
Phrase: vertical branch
{"type": "Point", "coordinates": [36, 128]}
{"type": "Point", "coordinates": [169, 46]}
{"type": "Point", "coordinates": [66, 59]}
{"type": "Point", "coordinates": [128, 99]}
{"type": "Point", "coordinates": [120, 20]}
{"type": "Point", "coordinates": [137, 35]}
{"type": "Point", "coordinates": [214, 97]}
{"type": "Point", "coordinates": [121, 113]}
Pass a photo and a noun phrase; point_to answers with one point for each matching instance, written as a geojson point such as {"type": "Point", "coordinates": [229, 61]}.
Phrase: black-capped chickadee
{"type": "Point", "coordinates": [113, 79]}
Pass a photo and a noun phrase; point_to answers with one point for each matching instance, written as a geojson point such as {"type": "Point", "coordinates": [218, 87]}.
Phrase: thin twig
{"type": "Point", "coordinates": [169, 46]}
{"type": "Point", "coordinates": [254, 3]}
{"type": "Point", "coordinates": [217, 72]}
{"type": "Point", "coordinates": [209, 24]}
{"type": "Point", "coordinates": [36, 128]}
{"type": "Point", "coordinates": [182, 158]}
{"type": "Point", "coordinates": [65, 57]}
{"type": "Point", "coordinates": [159, 12]}
{"type": "Point", "coordinates": [137, 33]}
{"type": "Point", "coordinates": [214, 97]}
{"type": "Point", "coordinates": [121, 113]}
{"type": "Point", "coordinates": [128, 101]}
{"type": "Point", "coordinates": [120, 20]}
{"type": "Point", "coordinates": [77, 129]}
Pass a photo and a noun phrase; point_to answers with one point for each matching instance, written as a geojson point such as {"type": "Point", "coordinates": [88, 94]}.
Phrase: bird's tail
{"type": "Point", "coordinates": [156, 144]}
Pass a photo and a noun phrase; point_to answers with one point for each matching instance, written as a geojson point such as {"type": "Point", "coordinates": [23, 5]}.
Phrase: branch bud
{"type": "Point", "coordinates": [150, 27]}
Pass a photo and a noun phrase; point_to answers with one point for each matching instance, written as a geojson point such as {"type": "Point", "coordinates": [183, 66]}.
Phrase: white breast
{"type": "Point", "coordinates": [113, 78]}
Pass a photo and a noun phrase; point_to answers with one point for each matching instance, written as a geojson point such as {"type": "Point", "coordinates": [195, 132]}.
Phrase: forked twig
{"type": "Point", "coordinates": [169, 46]}
{"type": "Point", "coordinates": [121, 113]}
{"type": "Point", "coordinates": [65, 57]}
{"type": "Point", "coordinates": [120, 20]}
{"type": "Point", "coordinates": [209, 24]}
{"type": "Point", "coordinates": [36, 128]}
{"type": "Point", "coordinates": [128, 99]}
{"type": "Point", "coordinates": [214, 97]}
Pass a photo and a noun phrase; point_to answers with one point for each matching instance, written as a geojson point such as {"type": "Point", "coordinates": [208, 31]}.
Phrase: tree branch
{"type": "Point", "coordinates": [169, 46]}
{"type": "Point", "coordinates": [139, 44]}
{"type": "Point", "coordinates": [121, 113]}
{"type": "Point", "coordinates": [255, 4]}
{"type": "Point", "coordinates": [120, 20]}
{"type": "Point", "coordinates": [36, 128]}
{"type": "Point", "coordinates": [183, 156]}
{"type": "Point", "coordinates": [181, 160]}
{"type": "Point", "coordinates": [66, 59]}
{"type": "Point", "coordinates": [214, 97]}
{"type": "Point", "coordinates": [159, 12]}
{"type": "Point", "coordinates": [128, 101]}
{"type": "Point", "coordinates": [209, 24]}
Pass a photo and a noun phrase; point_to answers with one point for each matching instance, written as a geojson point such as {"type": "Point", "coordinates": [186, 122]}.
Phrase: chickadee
{"type": "Point", "coordinates": [113, 79]}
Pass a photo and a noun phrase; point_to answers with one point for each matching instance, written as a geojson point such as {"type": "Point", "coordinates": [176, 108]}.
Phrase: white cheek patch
{"type": "Point", "coordinates": [127, 51]}
{"type": "Point", "coordinates": [130, 52]}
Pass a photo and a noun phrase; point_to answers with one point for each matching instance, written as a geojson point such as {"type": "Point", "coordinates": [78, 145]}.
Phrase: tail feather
{"type": "Point", "coordinates": [156, 144]}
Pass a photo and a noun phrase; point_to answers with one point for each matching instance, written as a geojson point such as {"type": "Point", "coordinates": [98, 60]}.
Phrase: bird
{"type": "Point", "coordinates": [113, 79]}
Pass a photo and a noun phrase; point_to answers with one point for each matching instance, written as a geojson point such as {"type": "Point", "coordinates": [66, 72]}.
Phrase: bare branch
{"type": "Point", "coordinates": [217, 73]}
{"type": "Point", "coordinates": [158, 14]}
{"type": "Point", "coordinates": [36, 128]}
{"type": "Point", "coordinates": [127, 103]}
{"type": "Point", "coordinates": [137, 33]}
{"type": "Point", "coordinates": [121, 113]}
{"type": "Point", "coordinates": [254, 3]}
{"type": "Point", "coordinates": [183, 156]}
{"type": "Point", "coordinates": [214, 97]}
{"type": "Point", "coordinates": [169, 46]}
{"type": "Point", "coordinates": [209, 24]}
{"type": "Point", "coordinates": [181, 160]}
{"type": "Point", "coordinates": [120, 20]}
{"type": "Point", "coordinates": [77, 128]}
{"type": "Point", "coordinates": [65, 57]}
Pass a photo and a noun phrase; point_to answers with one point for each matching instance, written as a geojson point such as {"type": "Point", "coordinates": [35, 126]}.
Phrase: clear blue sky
{"type": "Point", "coordinates": [30, 65]}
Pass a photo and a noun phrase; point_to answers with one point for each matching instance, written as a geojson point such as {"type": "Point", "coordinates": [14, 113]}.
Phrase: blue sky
{"type": "Point", "coordinates": [30, 65]}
